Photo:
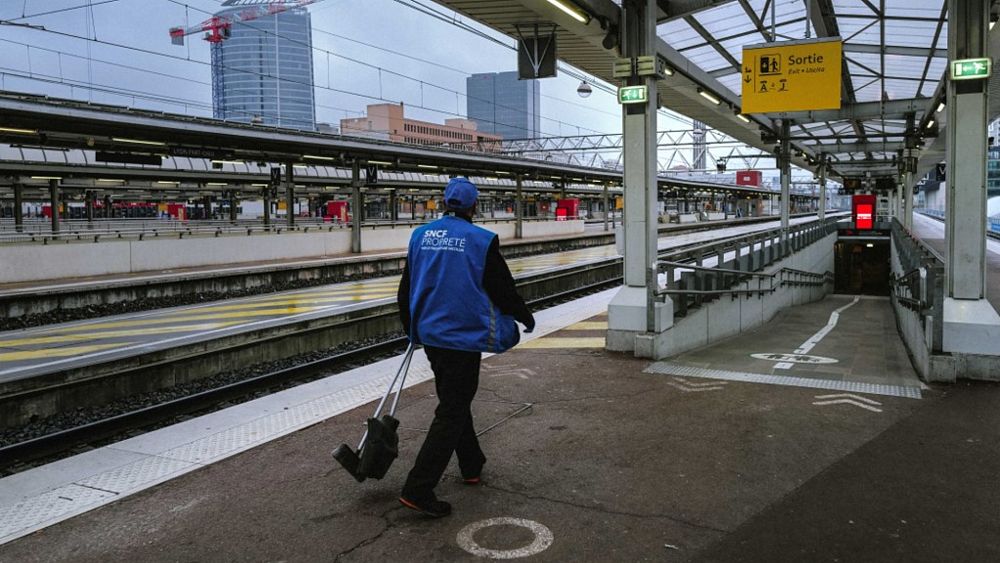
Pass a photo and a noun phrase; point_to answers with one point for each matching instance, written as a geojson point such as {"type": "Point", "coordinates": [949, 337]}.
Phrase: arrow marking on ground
{"type": "Point", "coordinates": [848, 399]}
{"type": "Point", "coordinates": [692, 387]}
{"type": "Point", "coordinates": [523, 373]}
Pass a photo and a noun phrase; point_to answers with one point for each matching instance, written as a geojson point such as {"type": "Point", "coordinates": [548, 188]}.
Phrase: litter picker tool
{"type": "Point", "coordinates": [379, 445]}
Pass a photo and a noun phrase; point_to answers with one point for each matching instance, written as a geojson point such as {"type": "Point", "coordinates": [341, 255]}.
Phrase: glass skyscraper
{"type": "Point", "coordinates": [264, 71]}
{"type": "Point", "coordinates": [499, 103]}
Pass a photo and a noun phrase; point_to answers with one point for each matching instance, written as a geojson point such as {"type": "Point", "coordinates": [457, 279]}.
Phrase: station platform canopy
{"type": "Point", "coordinates": [895, 56]}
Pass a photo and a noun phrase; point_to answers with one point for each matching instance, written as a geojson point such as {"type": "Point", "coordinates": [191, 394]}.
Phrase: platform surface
{"type": "Point", "coordinates": [932, 232]}
{"type": "Point", "coordinates": [613, 462]}
{"type": "Point", "coordinates": [52, 348]}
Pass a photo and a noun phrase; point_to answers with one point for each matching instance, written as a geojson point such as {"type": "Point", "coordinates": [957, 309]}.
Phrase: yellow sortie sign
{"type": "Point", "coordinates": [793, 76]}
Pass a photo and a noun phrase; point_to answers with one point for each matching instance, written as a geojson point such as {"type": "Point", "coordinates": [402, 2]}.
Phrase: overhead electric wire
{"type": "Point", "coordinates": [61, 10]}
{"type": "Point", "coordinates": [258, 74]}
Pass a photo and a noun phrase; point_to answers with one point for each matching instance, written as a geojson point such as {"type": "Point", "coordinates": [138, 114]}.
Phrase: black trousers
{"type": "Point", "coordinates": [456, 378]}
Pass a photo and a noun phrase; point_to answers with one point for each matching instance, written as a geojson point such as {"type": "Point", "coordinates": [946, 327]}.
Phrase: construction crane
{"type": "Point", "coordinates": [218, 27]}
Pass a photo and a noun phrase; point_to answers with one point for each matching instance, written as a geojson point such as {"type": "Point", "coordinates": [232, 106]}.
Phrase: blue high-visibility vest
{"type": "Point", "coordinates": [449, 307]}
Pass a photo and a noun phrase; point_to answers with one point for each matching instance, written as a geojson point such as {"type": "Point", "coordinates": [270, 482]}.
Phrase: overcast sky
{"type": "Point", "coordinates": [424, 61]}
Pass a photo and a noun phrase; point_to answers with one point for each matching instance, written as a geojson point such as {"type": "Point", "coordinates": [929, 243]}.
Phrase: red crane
{"type": "Point", "coordinates": [218, 27]}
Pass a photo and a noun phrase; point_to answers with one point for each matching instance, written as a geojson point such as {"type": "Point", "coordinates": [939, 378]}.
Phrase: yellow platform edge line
{"type": "Point", "coordinates": [554, 342]}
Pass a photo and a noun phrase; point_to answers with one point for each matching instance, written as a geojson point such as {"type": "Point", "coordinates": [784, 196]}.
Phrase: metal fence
{"type": "Point", "coordinates": [35, 231]}
{"type": "Point", "coordinates": [684, 278]}
{"type": "Point", "coordinates": [919, 286]}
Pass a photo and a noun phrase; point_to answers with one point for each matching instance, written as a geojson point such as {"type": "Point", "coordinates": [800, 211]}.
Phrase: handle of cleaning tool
{"type": "Point", "coordinates": [401, 371]}
{"type": "Point", "coordinates": [405, 369]}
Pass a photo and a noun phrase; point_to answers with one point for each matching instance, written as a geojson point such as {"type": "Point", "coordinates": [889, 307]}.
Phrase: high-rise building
{"type": "Point", "coordinates": [500, 103]}
{"type": "Point", "coordinates": [263, 73]}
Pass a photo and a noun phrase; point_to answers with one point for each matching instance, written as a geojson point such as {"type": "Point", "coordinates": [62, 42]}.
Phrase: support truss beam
{"type": "Point", "coordinates": [675, 9]}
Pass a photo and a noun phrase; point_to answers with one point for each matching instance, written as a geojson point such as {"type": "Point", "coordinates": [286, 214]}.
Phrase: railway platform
{"type": "Point", "coordinates": [750, 449]}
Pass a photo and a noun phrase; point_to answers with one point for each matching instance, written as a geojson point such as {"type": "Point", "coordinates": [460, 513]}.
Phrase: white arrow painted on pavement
{"type": "Point", "coordinates": [848, 399]}
{"type": "Point", "coordinates": [687, 387]}
{"type": "Point", "coordinates": [523, 373]}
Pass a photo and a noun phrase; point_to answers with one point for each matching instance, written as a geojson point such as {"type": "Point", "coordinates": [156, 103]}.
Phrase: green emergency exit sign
{"type": "Point", "coordinates": [970, 69]}
{"type": "Point", "coordinates": [632, 95]}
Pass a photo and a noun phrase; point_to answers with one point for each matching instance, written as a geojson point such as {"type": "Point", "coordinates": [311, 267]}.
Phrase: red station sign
{"type": "Point", "coordinates": [864, 212]}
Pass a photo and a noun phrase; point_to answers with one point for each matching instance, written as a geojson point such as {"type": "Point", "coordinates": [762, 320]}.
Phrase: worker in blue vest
{"type": "Point", "coordinates": [458, 299]}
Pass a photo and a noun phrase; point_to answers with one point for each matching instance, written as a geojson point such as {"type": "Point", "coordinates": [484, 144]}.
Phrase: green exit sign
{"type": "Point", "coordinates": [970, 69]}
{"type": "Point", "coordinates": [632, 95]}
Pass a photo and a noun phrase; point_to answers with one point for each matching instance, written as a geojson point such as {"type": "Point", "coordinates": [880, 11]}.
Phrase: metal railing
{"type": "Point", "coordinates": [35, 231]}
{"type": "Point", "coordinates": [684, 278]}
{"type": "Point", "coordinates": [919, 287]}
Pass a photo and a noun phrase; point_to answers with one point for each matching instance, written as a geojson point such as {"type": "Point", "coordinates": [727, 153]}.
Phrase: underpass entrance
{"type": "Point", "coordinates": [862, 265]}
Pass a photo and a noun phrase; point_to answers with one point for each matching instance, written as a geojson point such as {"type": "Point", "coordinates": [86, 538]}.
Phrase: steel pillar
{"type": "Point", "coordinates": [635, 321]}
{"type": "Point", "coordinates": [88, 202]}
{"type": "Point", "coordinates": [267, 207]}
{"type": "Point", "coordinates": [54, 204]}
{"type": "Point", "coordinates": [393, 206]}
{"type": "Point", "coordinates": [908, 182]}
{"type": "Point", "coordinates": [607, 211]}
{"type": "Point", "coordinates": [785, 164]}
{"type": "Point", "coordinates": [822, 189]}
{"type": "Point", "coordinates": [234, 201]}
{"type": "Point", "coordinates": [107, 206]}
{"type": "Point", "coordinates": [357, 207]}
{"type": "Point", "coordinates": [18, 207]}
{"type": "Point", "coordinates": [290, 194]}
{"type": "Point", "coordinates": [518, 208]}
{"type": "Point", "coordinates": [971, 324]}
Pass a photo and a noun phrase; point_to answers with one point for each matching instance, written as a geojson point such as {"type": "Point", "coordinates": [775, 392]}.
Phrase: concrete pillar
{"type": "Point", "coordinates": [18, 207]}
{"type": "Point", "coordinates": [107, 206]}
{"type": "Point", "coordinates": [785, 164]}
{"type": "Point", "coordinates": [971, 324]}
{"type": "Point", "coordinates": [357, 207]}
{"type": "Point", "coordinates": [290, 194]}
{"type": "Point", "coordinates": [518, 207]}
{"type": "Point", "coordinates": [54, 204]}
{"type": "Point", "coordinates": [633, 320]}
{"type": "Point", "coordinates": [822, 188]}
{"type": "Point", "coordinates": [966, 154]}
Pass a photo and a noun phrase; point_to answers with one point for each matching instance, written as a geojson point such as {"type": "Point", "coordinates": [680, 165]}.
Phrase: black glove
{"type": "Point", "coordinates": [530, 325]}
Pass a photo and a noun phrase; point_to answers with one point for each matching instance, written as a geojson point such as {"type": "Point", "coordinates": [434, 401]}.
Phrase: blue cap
{"type": "Point", "coordinates": [460, 193]}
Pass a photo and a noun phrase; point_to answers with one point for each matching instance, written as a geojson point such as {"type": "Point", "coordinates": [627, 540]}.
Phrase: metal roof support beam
{"type": "Point", "coordinates": [824, 21]}
{"type": "Point", "coordinates": [871, 146]}
{"type": "Point", "coordinates": [893, 109]}
{"type": "Point", "coordinates": [895, 50]}
{"type": "Point", "coordinates": [674, 9]}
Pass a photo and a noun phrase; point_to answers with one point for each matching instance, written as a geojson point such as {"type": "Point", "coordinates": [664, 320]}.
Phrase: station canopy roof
{"type": "Point", "coordinates": [895, 56]}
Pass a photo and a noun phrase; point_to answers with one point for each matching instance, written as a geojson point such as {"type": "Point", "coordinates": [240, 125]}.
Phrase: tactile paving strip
{"type": "Point", "coordinates": [668, 368]}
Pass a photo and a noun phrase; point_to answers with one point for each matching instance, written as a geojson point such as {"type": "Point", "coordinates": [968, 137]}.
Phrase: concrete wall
{"type": "Point", "coordinates": [725, 317]}
{"type": "Point", "coordinates": [25, 263]}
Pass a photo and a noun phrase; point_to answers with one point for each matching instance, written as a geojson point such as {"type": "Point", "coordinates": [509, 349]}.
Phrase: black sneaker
{"type": "Point", "coordinates": [433, 508]}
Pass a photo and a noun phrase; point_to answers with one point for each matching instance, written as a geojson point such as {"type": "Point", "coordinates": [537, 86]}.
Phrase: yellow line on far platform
{"type": "Point", "coordinates": [57, 352]}
{"type": "Point", "coordinates": [102, 334]}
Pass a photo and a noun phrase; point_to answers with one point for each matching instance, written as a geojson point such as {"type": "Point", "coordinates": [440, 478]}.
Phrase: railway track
{"type": "Point", "coordinates": [52, 445]}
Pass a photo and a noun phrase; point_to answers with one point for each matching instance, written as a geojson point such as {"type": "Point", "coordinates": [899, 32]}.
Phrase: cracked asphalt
{"type": "Point", "coordinates": [618, 464]}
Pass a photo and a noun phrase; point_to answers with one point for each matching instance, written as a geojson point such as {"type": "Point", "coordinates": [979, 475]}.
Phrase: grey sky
{"type": "Point", "coordinates": [388, 24]}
